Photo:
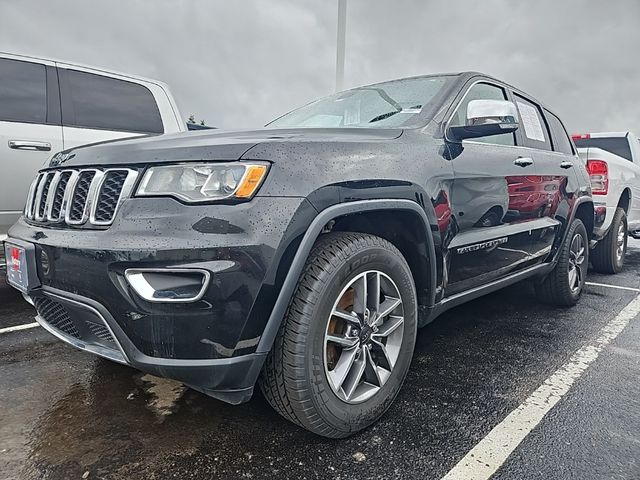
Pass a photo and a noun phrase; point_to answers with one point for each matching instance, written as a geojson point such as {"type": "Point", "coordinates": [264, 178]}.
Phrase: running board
{"type": "Point", "coordinates": [463, 297]}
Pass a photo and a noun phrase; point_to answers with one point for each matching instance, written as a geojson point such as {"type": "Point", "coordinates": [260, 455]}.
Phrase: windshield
{"type": "Point", "coordinates": [383, 105]}
{"type": "Point", "coordinates": [616, 145]}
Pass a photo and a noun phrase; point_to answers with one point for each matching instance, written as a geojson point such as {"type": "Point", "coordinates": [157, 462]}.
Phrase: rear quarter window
{"type": "Point", "coordinates": [105, 103]}
{"type": "Point", "coordinates": [559, 137]}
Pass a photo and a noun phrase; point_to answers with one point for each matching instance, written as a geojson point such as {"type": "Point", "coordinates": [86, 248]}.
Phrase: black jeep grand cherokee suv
{"type": "Point", "coordinates": [304, 256]}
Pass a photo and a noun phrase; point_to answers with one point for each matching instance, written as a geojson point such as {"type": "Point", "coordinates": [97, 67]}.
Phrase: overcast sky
{"type": "Point", "coordinates": [241, 63]}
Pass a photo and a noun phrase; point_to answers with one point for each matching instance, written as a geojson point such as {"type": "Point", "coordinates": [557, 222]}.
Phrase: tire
{"type": "Point", "coordinates": [608, 255]}
{"type": "Point", "coordinates": [559, 287]}
{"type": "Point", "coordinates": [301, 372]}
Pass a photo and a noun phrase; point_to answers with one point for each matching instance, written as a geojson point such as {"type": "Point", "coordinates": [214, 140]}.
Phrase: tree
{"type": "Point", "coordinates": [192, 120]}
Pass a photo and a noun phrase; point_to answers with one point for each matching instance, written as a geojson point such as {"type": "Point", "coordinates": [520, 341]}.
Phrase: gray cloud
{"type": "Point", "coordinates": [240, 64]}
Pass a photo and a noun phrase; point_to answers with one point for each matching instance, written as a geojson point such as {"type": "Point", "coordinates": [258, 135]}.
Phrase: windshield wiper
{"type": "Point", "coordinates": [384, 116]}
{"type": "Point", "coordinates": [385, 96]}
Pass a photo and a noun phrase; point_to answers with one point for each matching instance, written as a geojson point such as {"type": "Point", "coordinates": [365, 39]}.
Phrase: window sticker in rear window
{"type": "Point", "coordinates": [531, 122]}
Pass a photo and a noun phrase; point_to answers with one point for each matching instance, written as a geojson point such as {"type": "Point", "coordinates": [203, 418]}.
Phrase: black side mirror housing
{"type": "Point", "coordinates": [464, 132]}
{"type": "Point", "coordinates": [486, 118]}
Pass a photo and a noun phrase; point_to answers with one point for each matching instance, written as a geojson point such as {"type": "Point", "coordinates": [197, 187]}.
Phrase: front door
{"type": "Point", "coordinates": [495, 202]}
{"type": "Point", "coordinates": [30, 131]}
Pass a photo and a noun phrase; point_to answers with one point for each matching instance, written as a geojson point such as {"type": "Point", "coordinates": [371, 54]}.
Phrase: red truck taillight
{"type": "Point", "coordinates": [580, 136]}
{"type": "Point", "coordinates": [599, 175]}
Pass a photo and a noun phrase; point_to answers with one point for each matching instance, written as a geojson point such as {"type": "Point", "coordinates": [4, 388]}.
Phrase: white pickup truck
{"type": "Point", "coordinates": [47, 106]}
{"type": "Point", "coordinates": [613, 162]}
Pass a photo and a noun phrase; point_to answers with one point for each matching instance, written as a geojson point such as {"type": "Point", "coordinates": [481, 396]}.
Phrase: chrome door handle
{"type": "Point", "coordinates": [566, 164]}
{"type": "Point", "coordinates": [29, 145]}
{"type": "Point", "coordinates": [523, 161]}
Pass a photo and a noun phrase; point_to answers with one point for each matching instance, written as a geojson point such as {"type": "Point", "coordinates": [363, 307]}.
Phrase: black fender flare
{"type": "Point", "coordinates": [311, 235]}
{"type": "Point", "coordinates": [584, 199]}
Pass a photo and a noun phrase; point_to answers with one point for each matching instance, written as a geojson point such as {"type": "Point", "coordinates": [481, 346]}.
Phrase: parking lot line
{"type": "Point", "coordinates": [16, 328]}
{"type": "Point", "coordinates": [492, 451]}
{"type": "Point", "coordinates": [606, 285]}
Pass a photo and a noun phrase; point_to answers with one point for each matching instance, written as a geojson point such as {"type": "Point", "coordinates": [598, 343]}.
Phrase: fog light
{"type": "Point", "coordinates": [164, 285]}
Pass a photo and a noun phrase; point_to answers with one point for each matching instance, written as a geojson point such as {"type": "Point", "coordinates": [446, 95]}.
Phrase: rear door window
{"type": "Point", "coordinates": [534, 131]}
{"type": "Point", "coordinates": [105, 103]}
{"type": "Point", "coordinates": [23, 91]}
{"type": "Point", "coordinates": [559, 137]}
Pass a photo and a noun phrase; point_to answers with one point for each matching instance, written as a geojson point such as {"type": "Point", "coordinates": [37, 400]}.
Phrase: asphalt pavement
{"type": "Point", "coordinates": [65, 414]}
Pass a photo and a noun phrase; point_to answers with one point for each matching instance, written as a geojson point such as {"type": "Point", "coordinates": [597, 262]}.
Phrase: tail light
{"type": "Point", "coordinates": [580, 136]}
{"type": "Point", "coordinates": [599, 175]}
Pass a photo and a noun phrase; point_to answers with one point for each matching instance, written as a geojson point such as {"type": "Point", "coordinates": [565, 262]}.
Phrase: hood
{"type": "Point", "coordinates": [208, 145]}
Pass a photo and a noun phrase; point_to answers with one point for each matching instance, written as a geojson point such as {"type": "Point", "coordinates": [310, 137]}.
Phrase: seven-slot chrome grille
{"type": "Point", "coordinates": [78, 197]}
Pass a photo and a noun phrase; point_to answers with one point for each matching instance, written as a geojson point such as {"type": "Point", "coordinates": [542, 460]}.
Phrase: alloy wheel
{"type": "Point", "coordinates": [621, 242]}
{"type": "Point", "coordinates": [363, 337]}
{"type": "Point", "coordinates": [576, 262]}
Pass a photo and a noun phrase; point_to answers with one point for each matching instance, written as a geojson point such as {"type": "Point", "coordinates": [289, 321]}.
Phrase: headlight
{"type": "Point", "coordinates": [203, 182]}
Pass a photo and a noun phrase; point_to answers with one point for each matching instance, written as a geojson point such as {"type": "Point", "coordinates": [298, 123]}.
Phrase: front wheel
{"type": "Point", "coordinates": [564, 285]}
{"type": "Point", "coordinates": [346, 343]}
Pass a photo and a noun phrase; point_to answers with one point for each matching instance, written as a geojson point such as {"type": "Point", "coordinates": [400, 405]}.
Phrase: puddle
{"type": "Point", "coordinates": [118, 423]}
{"type": "Point", "coordinates": [164, 394]}
{"type": "Point", "coordinates": [106, 423]}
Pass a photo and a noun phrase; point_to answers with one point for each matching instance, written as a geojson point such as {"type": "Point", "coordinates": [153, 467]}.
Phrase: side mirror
{"type": "Point", "coordinates": [486, 118]}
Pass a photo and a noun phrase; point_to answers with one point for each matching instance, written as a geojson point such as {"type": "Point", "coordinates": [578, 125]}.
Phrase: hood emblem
{"type": "Point", "coordinates": [60, 158]}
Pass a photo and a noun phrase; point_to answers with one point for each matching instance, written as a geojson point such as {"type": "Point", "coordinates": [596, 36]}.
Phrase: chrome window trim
{"type": "Point", "coordinates": [513, 91]}
{"type": "Point", "coordinates": [491, 83]}
{"type": "Point", "coordinates": [522, 147]}
{"type": "Point", "coordinates": [539, 107]}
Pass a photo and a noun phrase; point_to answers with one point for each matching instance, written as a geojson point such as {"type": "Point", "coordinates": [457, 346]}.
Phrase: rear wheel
{"type": "Point", "coordinates": [563, 286]}
{"type": "Point", "coordinates": [608, 255]}
{"type": "Point", "coordinates": [346, 343]}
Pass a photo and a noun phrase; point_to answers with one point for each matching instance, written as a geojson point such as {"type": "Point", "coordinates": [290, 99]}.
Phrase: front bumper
{"type": "Point", "coordinates": [209, 344]}
{"type": "Point", "coordinates": [87, 325]}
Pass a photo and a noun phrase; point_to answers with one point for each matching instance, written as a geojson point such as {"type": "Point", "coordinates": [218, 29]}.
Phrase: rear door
{"type": "Point", "coordinates": [494, 221]}
{"type": "Point", "coordinates": [550, 198]}
{"type": "Point", "coordinates": [100, 107]}
{"type": "Point", "coordinates": [30, 130]}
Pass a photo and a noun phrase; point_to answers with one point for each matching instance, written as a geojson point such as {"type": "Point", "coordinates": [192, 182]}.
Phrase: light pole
{"type": "Point", "coordinates": [342, 28]}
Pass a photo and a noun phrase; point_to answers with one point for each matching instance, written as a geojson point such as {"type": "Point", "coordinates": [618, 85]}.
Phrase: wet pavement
{"type": "Point", "coordinates": [65, 414]}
